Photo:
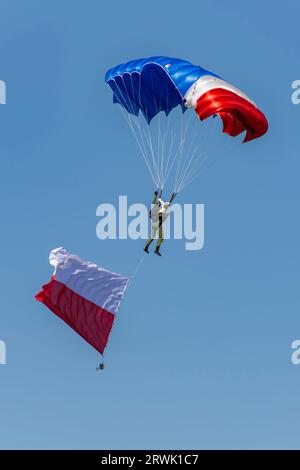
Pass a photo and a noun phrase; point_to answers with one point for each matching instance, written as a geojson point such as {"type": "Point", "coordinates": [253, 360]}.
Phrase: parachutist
{"type": "Point", "coordinates": [158, 214]}
{"type": "Point", "coordinates": [100, 367]}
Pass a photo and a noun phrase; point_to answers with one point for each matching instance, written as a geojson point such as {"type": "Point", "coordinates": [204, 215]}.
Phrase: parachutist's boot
{"type": "Point", "coordinates": [156, 251]}
{"type": "Point", "coordinates": [148, 243]}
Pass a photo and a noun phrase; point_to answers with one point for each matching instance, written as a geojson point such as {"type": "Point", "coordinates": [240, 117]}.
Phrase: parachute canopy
{"type": "Point", "coordinates": [161, 83]}
{"type": "Point", "coordinates": [83, 295]}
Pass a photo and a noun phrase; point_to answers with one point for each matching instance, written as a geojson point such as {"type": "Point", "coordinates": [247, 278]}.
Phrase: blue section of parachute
{"type": "Point", "coordinates": [152, 85]}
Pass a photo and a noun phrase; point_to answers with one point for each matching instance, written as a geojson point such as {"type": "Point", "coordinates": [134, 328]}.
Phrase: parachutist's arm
{"type": "Point", "coordinates": [172, 197]}
{"type": "Point", "coordinates": [155, 197]}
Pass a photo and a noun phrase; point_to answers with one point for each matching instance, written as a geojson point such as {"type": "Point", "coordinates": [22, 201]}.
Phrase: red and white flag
{"type": "Point", "coordinates": [83, 295]}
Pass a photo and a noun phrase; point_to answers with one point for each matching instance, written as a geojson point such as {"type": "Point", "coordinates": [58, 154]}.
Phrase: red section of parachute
{"type": "Point", "coordinates": [237, 114]}
{"type": "Point", "coordinates": [91, 322]}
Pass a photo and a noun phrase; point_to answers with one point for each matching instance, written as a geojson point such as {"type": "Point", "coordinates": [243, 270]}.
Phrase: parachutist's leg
{"type": "Point", "coordinates": [148, 243]}
{"type": "Point", "coordinates": [160, 240]}
{"type": "Point", "coordinates": [161, 236]}
{"type": "Point", "coordinates": [150, 240]}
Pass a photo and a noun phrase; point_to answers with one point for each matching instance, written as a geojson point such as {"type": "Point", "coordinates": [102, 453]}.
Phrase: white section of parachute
{"type": "Point", "coordinates": [207, 83]}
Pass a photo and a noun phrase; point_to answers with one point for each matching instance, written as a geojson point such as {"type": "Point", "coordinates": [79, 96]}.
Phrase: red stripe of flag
{"type": "Point", "coordinates": [91, 322]}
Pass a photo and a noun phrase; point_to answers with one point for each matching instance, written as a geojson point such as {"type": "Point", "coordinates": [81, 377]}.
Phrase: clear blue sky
{"type": "Point", "coordinates": [200, 354]}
